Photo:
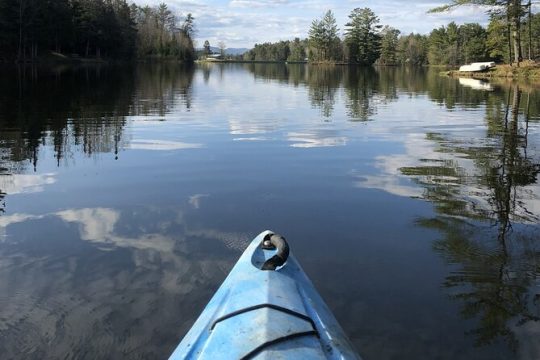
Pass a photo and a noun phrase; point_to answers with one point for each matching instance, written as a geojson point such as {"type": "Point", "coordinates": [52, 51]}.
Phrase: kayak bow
{"type": "Point", "coordinates": [266, 308]}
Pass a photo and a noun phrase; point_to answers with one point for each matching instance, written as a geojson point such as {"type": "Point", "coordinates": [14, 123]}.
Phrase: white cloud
{"type": "Point", "coordinates": [314, 139]}
{"type": "Point", "coordinates": [7, 220]}
{"type": "Point", "coordinates": [420, 151]}
{"type": "Point", "coordinates": [25, 183]}
{"type": "Point", "coordinates": [163, 145]}
{"type": "Point", "coordinates": [253, 138]}
{"type": "Point", "coordinates": [239, 126]}
{"type": "Point", "coordinates": [528, 335]}
{"type": "Point", "coordinates": [195, 200]}
{"type": "Point", "coordinates": [96, 224]}
{"type": "Point", "coordinates": [257, 3]}
{"type": "Point", "coordinates": [390, 184]}
{"type": "Point", "coordinates": [242, 23]}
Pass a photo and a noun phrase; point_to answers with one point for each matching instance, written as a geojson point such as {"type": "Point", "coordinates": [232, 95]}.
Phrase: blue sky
{"type": "Point", "coordinates": [242, 23]}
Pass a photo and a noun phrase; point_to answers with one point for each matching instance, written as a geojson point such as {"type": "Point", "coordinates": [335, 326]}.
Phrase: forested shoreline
{"type": "Point", "coordinates": [96, 30]}
{"type": "Point", "coordinates": [35, 30]}
{"type": "Point", "coordinates": [512, 35]}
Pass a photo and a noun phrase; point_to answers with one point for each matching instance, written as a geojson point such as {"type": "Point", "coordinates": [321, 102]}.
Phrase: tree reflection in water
{"type": "Point", "coordinates": [481, 189]}
{"type": "Point", "coordinates": [362, 88]}
{"type": "Point", "coordinates": [79, 110]}
{"type": "Point", "coordinates": [82, 108]}
{"type": "Point", "coordinates": [2, 201]}
{"type": "Point", "coordinates": [490, 234]}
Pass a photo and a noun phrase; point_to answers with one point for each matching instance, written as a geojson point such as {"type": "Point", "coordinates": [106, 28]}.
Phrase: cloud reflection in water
{"type": "Point", "coordinates": [314, 140]}
{"type": "Point", "coordinates": [25, 183]}
{"type": "Point", "coordinates": [134, 276]}
{"type": "Point", "coordinates": [163, 145]}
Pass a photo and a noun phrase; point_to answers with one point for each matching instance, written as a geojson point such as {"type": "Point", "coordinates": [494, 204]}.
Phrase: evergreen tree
{"type": "Point", "coordinates": [30, 29]}
{"type": "Point", "coordinates": [497, 40]}
{"type": "Point", "coordinates": [444, 45]}
{"type": "Point", "coordinates": [389, 46]}
{"type": "Point", "coordinates": [165, 22]}
{"type": "Point", "coordinates": [531, 36]}
{"type": "Point", "coordinates": [12, 27]}
{"type": "Point", "coordinates": [206, 48]}
{"type": "Point", "coordinates": [126, 41]}
{"type": "Point", "coordinates": [454, 45]}
{"type": "Point", "coordinates": [437, 46]}
{"type": "Point", "coordinates": [189, 26]}
{"type": "Point", "coordinates": [412, 49]}
{"type": "Point", "coordinates": [473, 39]}
{"type": "Point", "coordinates": [323, 38]}
{"type": "Point", "coordinates": [512, 10]}
{"type": "Point", "coordinates": [297, 50]}
{"type": "Point", "coordinates": [363, 36]}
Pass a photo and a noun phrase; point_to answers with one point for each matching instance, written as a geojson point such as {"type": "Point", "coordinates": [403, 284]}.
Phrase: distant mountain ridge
{"type": "Point", "coordinates": [228, 51]}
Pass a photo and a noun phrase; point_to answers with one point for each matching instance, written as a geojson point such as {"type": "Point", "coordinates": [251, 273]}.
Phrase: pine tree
{"type": "Point", "coordinates": [512, 10]}
{"type": "Point", "coordinates": [206, 48]}
{"type": "Point", "coordinates": [412, 49]}
{"type": "Point", "coordinates": [473, 38]}
{"type": "Point", "coordinates": [389, 45]}
{"type": "Point", "coordinates": [497, 40]}
{"type": "Point", "coordinates": [297, 50]}
{"type": "Point", "coordinates": [363, 36]}
{"type": "Point", "coordinates": [324, 39]}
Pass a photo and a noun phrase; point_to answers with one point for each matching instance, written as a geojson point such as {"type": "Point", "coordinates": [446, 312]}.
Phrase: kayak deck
{"type": "Point", "coordinates": [265, 314]}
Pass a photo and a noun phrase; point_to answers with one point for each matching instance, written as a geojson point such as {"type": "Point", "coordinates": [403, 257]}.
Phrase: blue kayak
{"type": "Point", "coordinates": [266, 308]}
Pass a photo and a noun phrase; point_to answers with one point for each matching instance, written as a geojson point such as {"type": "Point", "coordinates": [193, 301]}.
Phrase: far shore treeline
{"type": "Point", "coordinates": [41, 30]}
{"type": "Point", "coordinates": [32, 30]}
{"type": "Point", "coordinates": [366, 41]}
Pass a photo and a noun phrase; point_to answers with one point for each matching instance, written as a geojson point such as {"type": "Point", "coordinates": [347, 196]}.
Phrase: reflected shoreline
{"type": "Point", "coordinates": [205, 152]}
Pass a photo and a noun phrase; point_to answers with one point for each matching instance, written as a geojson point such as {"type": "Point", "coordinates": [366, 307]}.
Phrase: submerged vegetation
{"type": "Point", "coordinates": [32, 30]}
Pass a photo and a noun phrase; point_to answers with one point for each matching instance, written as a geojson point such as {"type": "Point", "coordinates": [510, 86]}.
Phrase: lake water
{"type": "Point", "coordinates": [128, 193]}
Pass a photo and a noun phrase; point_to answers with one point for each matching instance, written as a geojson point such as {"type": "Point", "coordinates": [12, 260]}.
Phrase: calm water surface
{"type": "Point", "coordinates": [127, 194]}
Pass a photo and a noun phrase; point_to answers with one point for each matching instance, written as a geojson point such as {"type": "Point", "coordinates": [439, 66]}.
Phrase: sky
{"type": "Point", "coordinates": [243, 23]}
